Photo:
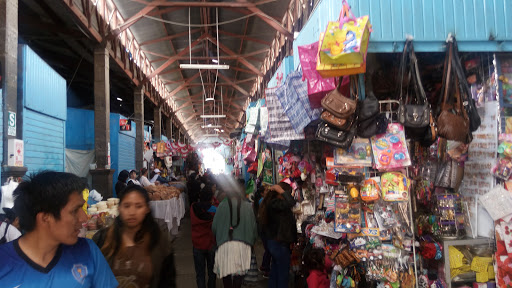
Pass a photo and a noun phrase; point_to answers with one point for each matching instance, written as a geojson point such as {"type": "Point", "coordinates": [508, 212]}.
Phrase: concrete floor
{"type": "Point", "coordinates": [186, 276]}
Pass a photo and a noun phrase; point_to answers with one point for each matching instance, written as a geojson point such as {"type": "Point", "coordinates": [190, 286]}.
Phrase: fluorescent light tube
{"type": "Point", "coordinates": [211, 126]}
{"type": "Point", "coordinates": [204, 66]}
{"type": "Point", "coordinates": [119, 99]}
{"type": "Point", "coordinates": [215, 61]}
{"type": "Point", "coordinates": [213, 116]}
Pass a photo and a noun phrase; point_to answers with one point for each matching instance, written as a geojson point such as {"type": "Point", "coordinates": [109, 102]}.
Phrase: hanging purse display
{"type": "Point", "coordinates": [339, 105]}
{"type": "Point", "coordinates": [338, 138]}
{"type": "Point", "coordinates": [372, 126]}
{"type": "Point", "coordinates": [340, 123]}
{"type": "Point", "coordinates": [414, 117]}
{"type": "Point", "coordinates": [452, 123]}
{"type": "Point", "coordinates": [466, 95]}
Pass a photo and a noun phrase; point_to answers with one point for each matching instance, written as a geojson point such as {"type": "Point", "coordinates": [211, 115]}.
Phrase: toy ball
{"type": "Point", "coordinates": [354, 193]}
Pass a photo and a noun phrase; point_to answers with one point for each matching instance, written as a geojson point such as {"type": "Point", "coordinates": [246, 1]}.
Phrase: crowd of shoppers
{"type": "Point", "coordinates": [133, 251]}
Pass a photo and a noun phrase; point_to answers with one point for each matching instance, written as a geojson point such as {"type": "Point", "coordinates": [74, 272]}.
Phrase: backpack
{"type": "Point", "coordinates": [3, 240]}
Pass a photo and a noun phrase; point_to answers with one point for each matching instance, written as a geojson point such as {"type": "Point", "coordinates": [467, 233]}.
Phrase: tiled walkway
{"type": "Point", "coordinates": [184, 260]}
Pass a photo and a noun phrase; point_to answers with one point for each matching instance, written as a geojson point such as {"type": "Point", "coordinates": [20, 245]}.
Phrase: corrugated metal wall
{"type": "Point", "coordinates": [44, 90]}
{"type": "Point", "coordinates": [479, 25]}
{"type": "Point", "coordinates": [44, 98]}
{"type": "Point", "coordinates": [126, 152]}
{"type": "Point", "coordinates": [80, 129]}
{"type": "Point", "coordinates": [44, 141]}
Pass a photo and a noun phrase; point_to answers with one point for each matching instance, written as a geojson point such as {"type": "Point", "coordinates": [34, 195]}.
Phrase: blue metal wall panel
{"type": "Point", "coordinates": [44, 141]}
{"type": "Point", "coordinates": [479, 25]}
{"type": "Point", "coordinates": [126, 152]}
{"type": "Point", "coordinates": [80, 129]}
{"type": "Point", "coordinates": [43, 88]}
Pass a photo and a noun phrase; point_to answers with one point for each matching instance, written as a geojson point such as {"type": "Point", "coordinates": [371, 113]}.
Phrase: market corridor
{"type": "Point", "coordinates": [186, 277]}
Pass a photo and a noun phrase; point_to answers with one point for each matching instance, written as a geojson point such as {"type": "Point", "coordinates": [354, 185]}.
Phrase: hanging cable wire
{"type": "Point", "coordinates": [200, 25]}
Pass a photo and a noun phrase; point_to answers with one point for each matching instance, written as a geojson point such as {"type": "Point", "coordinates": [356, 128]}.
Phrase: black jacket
{"type": "Point", "coordinates": [119, 187]}
{"type": "Point", "coordinates": [281, 224]}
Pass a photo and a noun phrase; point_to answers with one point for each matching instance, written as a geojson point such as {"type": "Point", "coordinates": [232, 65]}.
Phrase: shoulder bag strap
{"type": "Point", "coordinates": [418, 85]}
{"type": "Point", "coordinates": [447, 83]}
{"type": "Point", "coordinates": [402, 72]}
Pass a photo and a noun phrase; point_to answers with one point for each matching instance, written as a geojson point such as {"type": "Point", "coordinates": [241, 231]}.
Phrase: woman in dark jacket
{"type": "Point", "coordinates": [279, 228]}
{"type": "Point", "coordinates": [121, 181]}
{"type": "Point", "coordinates": [138, 253]}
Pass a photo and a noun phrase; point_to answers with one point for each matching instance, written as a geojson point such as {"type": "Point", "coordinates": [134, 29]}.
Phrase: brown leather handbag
{"type": "Point", "coordinates": [340, 123]}
{"type": "Point", "coordinates": [453, 122]}
{"type": "Point", "coordinates": [339, 105]}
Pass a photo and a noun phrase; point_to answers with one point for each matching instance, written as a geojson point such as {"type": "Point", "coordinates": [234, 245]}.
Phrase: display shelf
{"type": "Point", "coordinates": [460, 242]}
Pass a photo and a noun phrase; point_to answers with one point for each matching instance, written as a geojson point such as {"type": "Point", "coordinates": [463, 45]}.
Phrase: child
{"type": "Point", "coordinates": [319, 267]}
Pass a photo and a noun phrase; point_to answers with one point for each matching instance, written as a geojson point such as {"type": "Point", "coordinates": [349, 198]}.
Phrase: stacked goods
{"type": "Point", "coordinates": [160, 192]}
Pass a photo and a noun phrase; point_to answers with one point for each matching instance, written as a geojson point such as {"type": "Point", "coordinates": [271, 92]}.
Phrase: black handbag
{"type": "Point", "coordinates": [333, 136]}
{"type": "Point", "coordinates": [372, 126]}
{"type": "Point", "coordinates": [369, 107]}
{"type": "Point", "coordinates": [414, 117]}
{"type": "Point", "coordinates": [467, 98]}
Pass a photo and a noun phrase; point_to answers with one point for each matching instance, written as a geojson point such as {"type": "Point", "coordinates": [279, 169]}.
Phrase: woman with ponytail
{"type": "Point", "coordinates": [135, 248]}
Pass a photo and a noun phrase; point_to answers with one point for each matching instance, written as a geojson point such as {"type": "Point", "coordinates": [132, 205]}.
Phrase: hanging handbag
{"type": "Point", "coordinates": [467, 96]}
{"type": "Point", "coordinates": [339, 105]}
{"type": "Point", "coordinates": [369, 107]}
{"type": "Point", "coordinates": [452, 123]}
{"type": "Point", "coordinates": [372, 126]}
{"type": "Point", "coordinates": [340, 123]}
{"type": "Point", "coordinates": [338, 138]}
{"type": "Point", "coordinates": [414, 117]}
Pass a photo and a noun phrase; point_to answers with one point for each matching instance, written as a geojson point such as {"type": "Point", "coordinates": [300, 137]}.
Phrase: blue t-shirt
{"type": "Point", "coordinates": [79, 265]}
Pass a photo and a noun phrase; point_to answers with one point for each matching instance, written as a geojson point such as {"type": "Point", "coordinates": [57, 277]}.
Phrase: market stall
{"type": "Point", "coordinates": [394, 159]}
{"type": "Point", "coordinates": [167, 206]}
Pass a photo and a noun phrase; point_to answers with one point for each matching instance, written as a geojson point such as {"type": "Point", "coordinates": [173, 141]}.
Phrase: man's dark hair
{"type": "Point", "coordinates": [123, 175]}
{"type": "Point", "coordinates": [46, 192]}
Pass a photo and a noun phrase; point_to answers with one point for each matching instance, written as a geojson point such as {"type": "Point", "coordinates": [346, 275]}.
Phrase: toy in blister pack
{"type": "Point", "coordinates": [505, 149]}
{"type": "Point", "coordinates": [358, 155]}
{"type": "Point", "coordinates": [347, 214]}
{"type": "Point", "coordinates": [390, 149]}
{"type": "Point", "coordinates": [370, 190]}
{"type": "Point", "coordinates": [385, 216]}
{"type": "Point", "coordinates": [503, 168]}
{"type": "Point", "coordinates": [394, 186]}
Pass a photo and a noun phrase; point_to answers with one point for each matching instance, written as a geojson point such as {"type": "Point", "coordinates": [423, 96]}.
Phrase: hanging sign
{"type": "Point", "coordinates": [125, 125]}
{"type": "Point", "coordinates": [11, 128]}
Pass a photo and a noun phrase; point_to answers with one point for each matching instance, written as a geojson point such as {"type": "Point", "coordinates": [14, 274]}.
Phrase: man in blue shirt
{"type": "Point", "coordinates": [50, 254]}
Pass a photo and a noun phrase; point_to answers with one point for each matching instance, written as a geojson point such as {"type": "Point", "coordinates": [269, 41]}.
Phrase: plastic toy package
{"type": "Point", "coordinates": [347, 214]}
{"type": "Point", "coordinates": [358, 155]}
{"type": "Point", "coordinates": [503, 167]}
{"type": "Point", "coordinates": [395, 186]}
{"type": "Point", "coordinates": [370, 190]}
{"type": "Point", "coordinates": [390, 149]}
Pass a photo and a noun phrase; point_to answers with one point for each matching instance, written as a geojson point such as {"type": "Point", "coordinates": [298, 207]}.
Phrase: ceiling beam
{"type": "Point", "coordinates": [243, 70]}
{"type": "Point", "coordinates": [269, 20]}
{"type": "Point", "coordinates": [231, 53]}
{"type": "Point", "coordinates": [164, 11]}
{"type": "Point", "coordinates": [182, 86]}
{"type": "Point", "coordinates": [245, 37]}
{"type": "Point", "coordinates": [204, 4]}
{"type": "Point", "coordinates": [173, 59]}
{"type": "Point", "coordinates": [170, 37]}
{"type": "Point", "coordinates": [132, 20]}
{"type": "Point", "coordinates": [242, 90]}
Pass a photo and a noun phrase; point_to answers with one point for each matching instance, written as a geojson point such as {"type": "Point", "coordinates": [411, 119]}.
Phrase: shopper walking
{"type": "Point", "coordinates": [135, 248]}
{"type": "Point", "coordinates": [280, 230]}
{"type": "Point", "coordinates": [50, 254]}
{"type": "Point", "coordinates": [258, 200]}
{"type": "Point", "coordinates": [144, 182]}
{"type": "Point", "coordinates": [203, 240]}
{"type": "Point", "coordinates": [234, 226]}
{"type": "Point", "coordinates": [193, 178]}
